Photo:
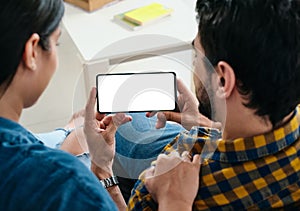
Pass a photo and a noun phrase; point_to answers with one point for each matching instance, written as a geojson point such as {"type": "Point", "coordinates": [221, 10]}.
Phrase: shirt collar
{"type": "Point", "coordinates": [209, 144]}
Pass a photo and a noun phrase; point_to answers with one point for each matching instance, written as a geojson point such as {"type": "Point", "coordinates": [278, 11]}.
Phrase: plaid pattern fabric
{"type": "Point", "coordinates": [256, 173]}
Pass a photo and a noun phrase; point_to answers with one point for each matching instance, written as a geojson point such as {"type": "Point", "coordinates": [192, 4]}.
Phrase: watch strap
{"type": "Point", "coordinates": [109, 182]}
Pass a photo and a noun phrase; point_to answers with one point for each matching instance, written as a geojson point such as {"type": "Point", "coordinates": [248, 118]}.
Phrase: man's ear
{"type": "Point", "coordinates": [31, 51]}
{"type": "Point", "coordinates": [226, 79]}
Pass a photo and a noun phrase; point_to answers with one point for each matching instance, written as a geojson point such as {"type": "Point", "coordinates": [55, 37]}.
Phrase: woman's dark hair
{"type": "Point", "coordinates": [19, 19]}
{"type": "Point", "coordinates": [260, 39]}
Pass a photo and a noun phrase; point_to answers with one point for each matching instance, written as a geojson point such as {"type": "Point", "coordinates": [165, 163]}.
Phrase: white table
{"type": "Point", "coordinates": [94, 31]}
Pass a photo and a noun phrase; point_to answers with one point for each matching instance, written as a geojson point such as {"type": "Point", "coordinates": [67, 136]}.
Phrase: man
{"type": "Point", "coordinates": [254, 48]}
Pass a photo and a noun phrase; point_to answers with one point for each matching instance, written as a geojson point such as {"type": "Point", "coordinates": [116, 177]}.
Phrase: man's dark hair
{"type": "Point", "coordinates": [19, 19]}
{"type": "Point", "coordinates": [260, 39]}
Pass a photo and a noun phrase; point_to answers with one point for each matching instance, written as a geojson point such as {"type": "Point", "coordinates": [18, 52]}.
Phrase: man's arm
{"type": "Point", "coordinates": [172, 184]}
{"type": "Point", "coordinates": [174, 181]}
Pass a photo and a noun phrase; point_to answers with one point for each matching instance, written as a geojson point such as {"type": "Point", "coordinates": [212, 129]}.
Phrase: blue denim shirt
{"type": "Point", "coordinates": [35, 177]}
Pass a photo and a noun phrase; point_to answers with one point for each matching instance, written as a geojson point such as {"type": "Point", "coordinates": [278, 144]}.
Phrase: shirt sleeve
{"type": "Point", "coordinates": [141, 199]}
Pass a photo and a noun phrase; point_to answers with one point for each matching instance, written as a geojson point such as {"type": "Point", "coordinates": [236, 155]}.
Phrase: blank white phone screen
{"type": "Point", "coordinates": [134, 92]}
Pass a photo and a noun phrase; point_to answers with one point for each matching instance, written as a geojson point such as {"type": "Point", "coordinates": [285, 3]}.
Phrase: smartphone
{"type": "Point", "coordinates": [136, 92]}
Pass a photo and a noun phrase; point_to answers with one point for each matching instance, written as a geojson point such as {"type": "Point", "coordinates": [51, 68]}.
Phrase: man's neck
{"type": "Point", "coordinates": [247, 124]}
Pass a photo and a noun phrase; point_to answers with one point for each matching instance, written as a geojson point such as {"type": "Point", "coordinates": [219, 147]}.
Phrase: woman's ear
{"type": "Point", "coordinates": [31, 51]}
{"type": "Point", "coordinates": [226, 79]}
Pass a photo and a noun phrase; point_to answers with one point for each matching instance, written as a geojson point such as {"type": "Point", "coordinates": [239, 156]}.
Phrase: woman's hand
{"type": "Point", "coordinates": [100, 132]}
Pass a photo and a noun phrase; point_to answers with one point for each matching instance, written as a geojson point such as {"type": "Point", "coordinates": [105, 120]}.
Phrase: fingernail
{"type": "Point", "coordinates": [99, 130]}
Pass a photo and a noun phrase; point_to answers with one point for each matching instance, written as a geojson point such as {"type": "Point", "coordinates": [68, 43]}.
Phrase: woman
{"type": "Point", "coordinates": [34, 177]}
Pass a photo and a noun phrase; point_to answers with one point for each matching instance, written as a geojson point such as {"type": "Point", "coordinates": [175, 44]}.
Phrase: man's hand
{"type": "Point", "coordinates": [174, 181]}
{"type": "Point", "coordinates": [189, 115]}
{"type": "Point", "coordinates": [100, 132]}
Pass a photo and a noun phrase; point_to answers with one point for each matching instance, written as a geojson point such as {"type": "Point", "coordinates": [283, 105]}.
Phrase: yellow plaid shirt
{"type": "Point", "coordinates": [261, 172]}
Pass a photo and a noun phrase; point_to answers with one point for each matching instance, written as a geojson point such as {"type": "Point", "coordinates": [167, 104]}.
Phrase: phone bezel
{"type": "Point", "coordinates": [137, 73]}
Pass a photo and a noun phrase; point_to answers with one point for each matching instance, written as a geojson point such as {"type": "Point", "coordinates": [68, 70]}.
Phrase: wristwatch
{"type": "Point", "coordinates": [109, 182]}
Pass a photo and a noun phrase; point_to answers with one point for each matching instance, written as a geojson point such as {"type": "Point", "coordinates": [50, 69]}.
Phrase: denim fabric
{"type": "Point", "coordinates": [54, 138]}
{"type": "Point", "coordinates": [138, 143]}
{"type": "Point", "coordinates": [35, 177]}
{"type": "Point", "coordinates": [85, 159]}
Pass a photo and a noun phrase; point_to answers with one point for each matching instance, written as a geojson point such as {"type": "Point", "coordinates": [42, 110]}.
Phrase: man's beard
{"type": "Point", "coordinates": [205, 104]}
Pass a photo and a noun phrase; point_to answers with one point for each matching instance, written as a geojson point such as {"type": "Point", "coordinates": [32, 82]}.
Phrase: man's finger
{"type": "Point", "coordinates": [182, 89]}
{"type": "Point", "coordinates": [196, 159]}
{"type": "Point", "coordinates": [217, 125]}
{"type": "Point", "coordinates": [173, 116]}
{"type": "Point", "coordinates": [149, 172]}
{"type": "Point", "coordinates": [186, 92]}
{"type": "Point", "coordinates": [186, 156]}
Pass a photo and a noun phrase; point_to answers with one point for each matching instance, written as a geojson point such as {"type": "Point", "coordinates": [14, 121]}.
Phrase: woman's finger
{"type": "Point", "coordinates": [90, 106]}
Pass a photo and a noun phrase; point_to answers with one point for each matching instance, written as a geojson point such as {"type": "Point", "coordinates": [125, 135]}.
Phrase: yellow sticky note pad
{"type": "Point", "coordinates": [147, 13]}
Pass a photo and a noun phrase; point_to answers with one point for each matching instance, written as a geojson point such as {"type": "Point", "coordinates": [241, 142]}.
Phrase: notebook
{"type": "Point", "coordinates": [119, 18]}
{"type": "Point", "coordinates": [147, 14]}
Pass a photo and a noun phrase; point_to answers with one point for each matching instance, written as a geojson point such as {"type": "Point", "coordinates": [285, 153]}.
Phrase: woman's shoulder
{"type": "Point", "coordinates": [51, 174]}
